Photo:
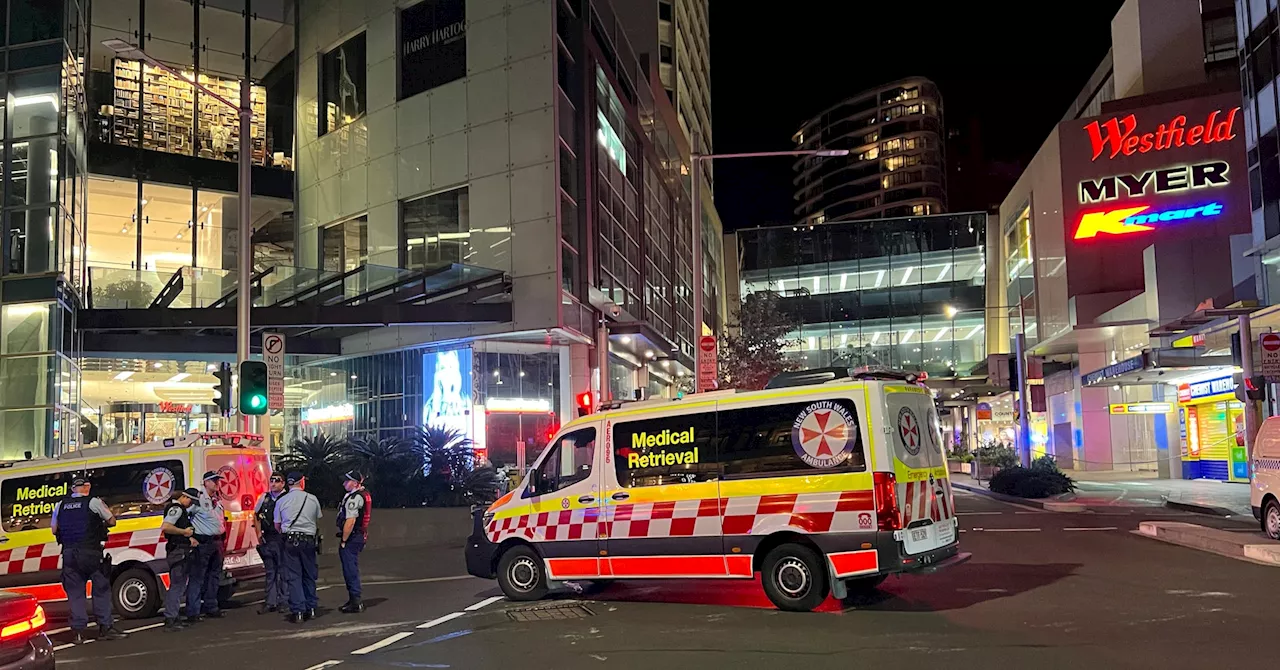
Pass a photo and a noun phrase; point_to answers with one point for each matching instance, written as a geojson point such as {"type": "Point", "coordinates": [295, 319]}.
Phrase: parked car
{"type": "Point", "coordinates": [23, 643]}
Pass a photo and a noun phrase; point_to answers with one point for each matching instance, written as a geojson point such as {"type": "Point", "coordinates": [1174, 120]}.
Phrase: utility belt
{"type": "Point", "coordinates": [205, 539]}
{"type": "Point", "coordinates": [297, 539]}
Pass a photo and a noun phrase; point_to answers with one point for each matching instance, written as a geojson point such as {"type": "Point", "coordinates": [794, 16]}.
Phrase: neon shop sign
{"type": "Point", "coordinates": [1120, 135]}
{"type": "Point", "coordinates": [1139, 219]}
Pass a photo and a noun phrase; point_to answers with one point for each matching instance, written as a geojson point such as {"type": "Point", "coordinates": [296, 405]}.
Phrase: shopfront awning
{"type": "Point", "coordinates": [1159, 366]}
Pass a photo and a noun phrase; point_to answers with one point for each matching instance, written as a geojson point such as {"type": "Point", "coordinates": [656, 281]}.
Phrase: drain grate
{"type": "Point", "coordinates": [550, 612]}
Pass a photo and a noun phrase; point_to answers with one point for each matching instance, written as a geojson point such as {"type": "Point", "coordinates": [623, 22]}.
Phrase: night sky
{"type": "Point", "coordinates": [1006, 73]}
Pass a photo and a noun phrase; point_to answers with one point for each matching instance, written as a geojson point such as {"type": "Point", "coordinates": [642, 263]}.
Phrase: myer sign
{"type": "Point", "coordinates": [433, 45]}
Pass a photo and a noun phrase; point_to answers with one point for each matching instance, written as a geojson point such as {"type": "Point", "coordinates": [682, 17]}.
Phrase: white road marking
{"type": "Point", "coordinates": [439, 620]}
{"type": "Point", "coordinates": [976, 513]}
{"type": "Point", "coordinates": [1009, 530]}
{"type": "Point", "coordinates": [1039, 511]}
{"type": "Point", "coordinates": [1091, 528]}
{"type": "Point", "coordinates": [326, 664]}
{"type": "Point", "coordinates": [484, 603]}
{"type": "Point", "coordinates": [147, 627]}
{"type": "Point", "coordinates": [418, 581]}
{"type": "Point", "coordinates": [57, 630]}
{"type": "Point", "coordinates": [385, 642]}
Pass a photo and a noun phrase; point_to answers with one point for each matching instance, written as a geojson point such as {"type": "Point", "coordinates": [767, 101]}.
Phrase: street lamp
{"type": "Point", "coordinates": [696, 172]}
{"type": "Point", "coordinates": [245, 249]}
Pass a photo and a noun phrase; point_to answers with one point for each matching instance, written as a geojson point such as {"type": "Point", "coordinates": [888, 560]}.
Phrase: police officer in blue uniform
{"type": "Point", "coordinates": [180, 546]}
{"type": "Point", "coordinates": [353, 530]}
{"type": "Point", "coordinates": [298, 520]}
{"type": "Point", "coordinates": [271, 545]}
{"type": "Point", "coordinates": [80, 524]}
{"type": "Point", "coordinates": [209, 522]}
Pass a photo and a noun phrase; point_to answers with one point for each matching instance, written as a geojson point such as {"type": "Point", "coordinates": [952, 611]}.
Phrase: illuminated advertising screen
{"type": "Point", "coordinates": [446, 386]}
{"type": "Point", "coordinates": [1172, 172]}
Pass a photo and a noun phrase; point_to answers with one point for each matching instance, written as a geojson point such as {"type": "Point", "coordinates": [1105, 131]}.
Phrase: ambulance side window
{"type": "Point", "coordinates": [28, 501]}
{"type": "Point", "coordinates": [791, 439]}
{"type": "Point", "coordinates": [668, 450]}
{"type": "Point", "coordinates": [567, 462]}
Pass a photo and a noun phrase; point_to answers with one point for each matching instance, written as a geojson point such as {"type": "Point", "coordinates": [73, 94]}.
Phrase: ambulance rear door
{"type": "Point", "coordinates": [924, 491]}
{"type": "Point", "coordinates": [245, 472]}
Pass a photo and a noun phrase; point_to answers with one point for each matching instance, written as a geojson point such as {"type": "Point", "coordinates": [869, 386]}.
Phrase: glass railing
{"type": "Point", "coordinates": [123, 288]}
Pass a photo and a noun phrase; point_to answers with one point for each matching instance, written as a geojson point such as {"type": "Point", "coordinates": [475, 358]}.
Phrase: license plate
{"type": "Point", "coordinates": [919, 534]}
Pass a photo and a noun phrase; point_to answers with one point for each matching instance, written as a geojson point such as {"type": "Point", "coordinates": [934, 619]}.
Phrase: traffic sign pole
{"type": "Point", "coordinates": [1251, 418]}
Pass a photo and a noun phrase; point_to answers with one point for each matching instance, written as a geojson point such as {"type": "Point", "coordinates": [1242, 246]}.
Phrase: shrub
{"type": "Point", "coordinates": [1030, 483]}
{"type": "Point", "coordinates": [996, 455]}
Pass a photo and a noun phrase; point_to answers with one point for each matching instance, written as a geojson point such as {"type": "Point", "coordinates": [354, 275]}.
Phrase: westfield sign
{"type": "Point", "coordinates": [1120, 135]}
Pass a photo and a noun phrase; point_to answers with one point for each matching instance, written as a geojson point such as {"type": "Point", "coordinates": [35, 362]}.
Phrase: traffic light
{"type": "Point", "coordinates": [222, 390]}
{"type": "Point", "coordinates": [253, 387]}
{"type": "Point", "coordinates": [585, 401]}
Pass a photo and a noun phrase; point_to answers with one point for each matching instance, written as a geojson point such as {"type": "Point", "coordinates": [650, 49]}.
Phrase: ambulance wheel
{"type": "Point", "coordinates": [795, 578]}
{"type": "Point", "coordinates": [521, 575]}
{"type": "Point", "coordinates": [135, 594]}
{"type": "Point", "coordinates": [863, 586]}
{"type": "Point", "coordinates": [1271, 519]}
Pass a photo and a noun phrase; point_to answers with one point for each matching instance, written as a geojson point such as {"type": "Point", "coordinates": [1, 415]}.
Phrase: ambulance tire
{"type": "Point", "coordinates": [795, 578]}
{"type": "Point", "coordinates": [1271, 519]}
{"type": "Point", "coordinates": [521, 575]}
{"type": "Point", "coordinates": [135, 594]}
{"type": "Point", "coordinates": [864, 586]}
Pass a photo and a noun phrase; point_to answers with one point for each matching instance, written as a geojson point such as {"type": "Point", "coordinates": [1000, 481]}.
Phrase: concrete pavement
{"type": "Point", "coordinates": [1043, 590]}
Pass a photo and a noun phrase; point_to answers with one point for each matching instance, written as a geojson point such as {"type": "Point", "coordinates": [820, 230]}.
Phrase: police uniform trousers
{"type": "Point", "coordinates": [349, 553]}
{"type": "Point", "coordinates": [300, 570]}
{"type": "Point", "coordinates": [180, 563]}
{"type": "Point", "coordinates": [271, 550]}
{"type": "Point", "coordinates": [206, 572]}
{"type": "Point", "coordinates": [80, 565]}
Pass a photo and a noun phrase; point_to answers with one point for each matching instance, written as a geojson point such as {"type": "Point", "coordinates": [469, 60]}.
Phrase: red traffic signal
{"type": "Point", "coordinates": [586, 400]}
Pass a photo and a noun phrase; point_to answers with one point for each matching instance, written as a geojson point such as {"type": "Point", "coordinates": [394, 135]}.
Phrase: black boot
{"type": "Point", "coordinates": [267, 608]}
{"type": "Point", "coordinates": [295, 617]}
{"type": "Point", "coordinates": [352, 607]}
{"type": "Point", "coordinates": [79, 638]}
{"type": "Point", "coordinates": [111, 633]}
{"type": "Point", "coordinates": [309, 614]}
{"type": "Point", "coordinates": [173, 625]}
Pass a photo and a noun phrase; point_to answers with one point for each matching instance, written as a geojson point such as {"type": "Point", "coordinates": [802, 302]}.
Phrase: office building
{"type": "Point", "coordinates": [896, 166]}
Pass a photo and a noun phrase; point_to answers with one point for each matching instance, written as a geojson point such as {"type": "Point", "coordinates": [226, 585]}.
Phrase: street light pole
{"type": "Point", "coordinates": [245, 188]}
{"type": "Point", "coordinates": [695, 171]}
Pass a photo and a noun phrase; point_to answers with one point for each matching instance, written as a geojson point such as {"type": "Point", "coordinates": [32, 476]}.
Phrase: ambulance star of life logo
{"type": "Point", "coordinates": [158, 486]}
{"type": "Point", "coordinates": [823, 434]}
{"type": "Point", "coordinates": [909, 430]}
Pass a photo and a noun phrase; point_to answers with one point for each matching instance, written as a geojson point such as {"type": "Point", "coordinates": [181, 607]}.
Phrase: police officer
{"type": "Point", "coordinates": [298, 520]}
{"type": "Point", "coordinates": [209, 522]}
{"type": "Point", "coordinates": [180, 547]}
{"type": "Point", "coordinates": [353, 530]}
{"type": "Point", "coordinates": [80, 524]}
{"type": "Point", "coordinates": [271, 545]}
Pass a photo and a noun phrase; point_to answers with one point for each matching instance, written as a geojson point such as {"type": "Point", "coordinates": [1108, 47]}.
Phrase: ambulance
{"type": "Point", "coordinates": [826, 482]}
{"type": "Point", "coordinates": [137, 482]}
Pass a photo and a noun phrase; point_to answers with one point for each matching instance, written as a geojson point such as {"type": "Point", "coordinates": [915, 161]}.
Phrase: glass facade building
{"type": "Point", "coordinates": [904, 293]}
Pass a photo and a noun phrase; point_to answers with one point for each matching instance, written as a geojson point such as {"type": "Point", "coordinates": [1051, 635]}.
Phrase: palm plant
{"type": "Point", "coordinates": [481, 485]}
{"type": "Point", "coordinates": [447, 458]}
{"type": "Point", "coordinates": [392, 467]}
{"type": "Point", "coordinates": [321, 459]}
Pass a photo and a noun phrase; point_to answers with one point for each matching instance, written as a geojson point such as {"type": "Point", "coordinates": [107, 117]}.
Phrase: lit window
{"type": "Point", "coordinates": [342, 84]}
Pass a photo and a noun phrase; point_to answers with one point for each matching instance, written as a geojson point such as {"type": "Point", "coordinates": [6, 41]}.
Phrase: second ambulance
{"type": "Point", "coordinates": [823, 487]}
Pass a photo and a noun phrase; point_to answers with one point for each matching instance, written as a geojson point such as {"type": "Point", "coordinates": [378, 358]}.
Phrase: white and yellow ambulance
{"type": "Point", "coordinates": [137, 482]}
{"type": "Point", "coordinates": [826, 483]}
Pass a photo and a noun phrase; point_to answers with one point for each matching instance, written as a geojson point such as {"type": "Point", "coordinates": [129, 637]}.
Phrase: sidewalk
{"type": "Point", "coordinates": [1140, 489]}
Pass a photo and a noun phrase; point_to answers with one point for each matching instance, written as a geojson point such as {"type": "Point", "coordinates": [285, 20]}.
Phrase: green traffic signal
{"type": "Point", "coordinates": [253, 387]}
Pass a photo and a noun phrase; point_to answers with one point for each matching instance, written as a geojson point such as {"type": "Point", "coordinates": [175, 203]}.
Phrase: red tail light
{"type": "Point", "coordinates": [886, 492]}
{"type": "Point", "coordinates": [32, 624]}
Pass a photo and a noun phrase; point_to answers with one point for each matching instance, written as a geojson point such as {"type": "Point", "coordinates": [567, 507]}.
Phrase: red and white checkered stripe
{"type": "Point", "coordinates": [745, 515]}
{"type": "Point", "coordinates": [240, 536]}
{"type": "Point", "coordinates": [920, 500]}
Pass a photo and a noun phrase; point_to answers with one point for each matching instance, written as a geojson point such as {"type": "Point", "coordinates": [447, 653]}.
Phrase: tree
{"type": "Point", "coordinates": [322, 460]}
{"type": "Point", "coordinates": [751, 352]}
{"type": "Point", "coordinates": [392, 467]}
{"type": "Point", "coordinates": [448, 458]}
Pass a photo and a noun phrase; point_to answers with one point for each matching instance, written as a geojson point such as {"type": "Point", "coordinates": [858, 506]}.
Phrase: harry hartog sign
{"type": "Point", "coordinates": [433, 45]}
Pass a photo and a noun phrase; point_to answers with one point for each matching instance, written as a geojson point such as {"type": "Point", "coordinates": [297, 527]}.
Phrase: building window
{"type": "Point", "coordinates": [34, 20]}
{"type": "Point", "coordinates": [436, 229]}
{"type": "Point", "coordinates": [342, 84]}
{"type": "Point", "coordinates": [344, 246]}
{"type": "Point", "coordinates": [664, 11]}
{"type": "Point", "coordinates": [665, 55]}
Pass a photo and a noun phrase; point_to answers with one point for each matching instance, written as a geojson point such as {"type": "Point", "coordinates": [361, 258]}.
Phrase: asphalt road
{"type": "Point", "coordinates": [1044, 590]}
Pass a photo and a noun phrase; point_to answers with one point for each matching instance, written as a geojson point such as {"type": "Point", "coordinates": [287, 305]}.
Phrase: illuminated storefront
{"type": "Point", "coordinates": [1211, 424]}
{"type": "Point", "coordinates": [132, 422]}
